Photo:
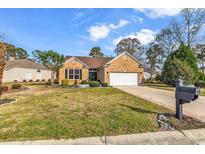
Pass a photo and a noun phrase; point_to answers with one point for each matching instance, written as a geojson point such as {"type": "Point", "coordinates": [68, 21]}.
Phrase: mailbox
{"type": "Point", "coordinates": [184, 94]}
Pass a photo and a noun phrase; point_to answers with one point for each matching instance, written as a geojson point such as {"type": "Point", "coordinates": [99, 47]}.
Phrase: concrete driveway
{"type": "Point", "coordinates": [166, 98]}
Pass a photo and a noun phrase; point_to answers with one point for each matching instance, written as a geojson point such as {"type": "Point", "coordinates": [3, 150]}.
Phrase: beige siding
{"type": "Point", "coordinates": [21, 74]}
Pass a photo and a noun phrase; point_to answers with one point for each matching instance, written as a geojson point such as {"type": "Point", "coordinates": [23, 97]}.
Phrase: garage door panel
{"type": "Point", "coordinates": [123, 79]}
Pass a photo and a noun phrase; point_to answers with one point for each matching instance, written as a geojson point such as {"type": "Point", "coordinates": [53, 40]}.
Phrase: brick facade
{"type": "Point", "coordinates": [123, 63]}
{"type": "Point", "coordinates": [73, 64]}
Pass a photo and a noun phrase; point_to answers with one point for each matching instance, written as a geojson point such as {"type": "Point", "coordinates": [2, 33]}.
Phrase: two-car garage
{"type": "Point", "coordinates": [117, 79]}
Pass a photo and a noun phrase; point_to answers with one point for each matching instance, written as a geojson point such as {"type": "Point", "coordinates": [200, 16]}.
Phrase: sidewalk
{"type": "Point", "coordinates": [192, 137]}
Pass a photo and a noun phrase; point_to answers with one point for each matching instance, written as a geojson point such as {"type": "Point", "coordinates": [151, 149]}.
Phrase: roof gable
{"type": "Point", "coordinates": [69, 58]}
{"type": "Point", "coordinates": [135, 59]}
{"type": "Point", "coordinates": [23, 63]}
{"type": "Point", "coordinates": [90, 61]}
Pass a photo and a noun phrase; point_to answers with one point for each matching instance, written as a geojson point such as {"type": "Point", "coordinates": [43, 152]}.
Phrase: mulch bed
{"type": "Point", "coordinates": [6, 101]}
{"type": "Point", "coordinates": [16, 90]}
{"type": "Point", "coordinates": [168, 121]}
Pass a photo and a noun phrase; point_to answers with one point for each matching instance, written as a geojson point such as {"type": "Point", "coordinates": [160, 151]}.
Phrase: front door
{"type": "Point", "coordinates": [93, 75]}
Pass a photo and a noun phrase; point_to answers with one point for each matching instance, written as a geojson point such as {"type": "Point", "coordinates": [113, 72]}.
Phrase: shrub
{"type": "Point", "coordinates": [75, 82]}
{"type": "Point", "coordinates": [4, 88]}
{"type": "Point", "coordinates": [30, 80]}
{"type": "Point", "coordinates": [48, 82]}
{"type": "Point", "coordinates": [43, 80]}
{"type": "Point", "coordinates": [175, 68]}
{"type": "Point", "coordinates": [37, 80]}
{"type": "Point", "coordinates": [16, 86]}
{"type": "Point", "coordinates": [64, 82]}
{"type": "Point", "coordinates": [84, 82]}
{"type": "Point", "coordinates": [24, 81]}
{"type": "Point", "coordinates": [158, 77]}
{"type": "Point", "coordinates": [200, 83]}
{"type": "Point", "coordinates": [56, 81]}
{"type": "Point", "coordinates": [181, 62]}
{"type": "Point", "coordinates": [104, 84]}
{"type": "Point", "coordinates": [185, 54]}
{"type": "Point", "coordinates": [15, 81]}
{"type": "Point", "coordinates": [202, 76]}
{"type": "Point", "coordinates": [147, 80]}
{"type": "Point", "coordinates": [94, 84]}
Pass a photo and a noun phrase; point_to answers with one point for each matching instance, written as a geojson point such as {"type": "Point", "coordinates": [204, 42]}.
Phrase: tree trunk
{"type": "Point", "coordinates": [151, 75]}
{"type": "Point", "coordinates": [52, 77]}
{"type": "Point", "coordinates": [203, 69]}
{"type": "Point", "coordinates": [1, 64]}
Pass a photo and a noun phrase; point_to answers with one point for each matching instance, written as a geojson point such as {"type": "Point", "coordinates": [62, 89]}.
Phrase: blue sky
{"type": "Point", "coordinates": [76, 31]}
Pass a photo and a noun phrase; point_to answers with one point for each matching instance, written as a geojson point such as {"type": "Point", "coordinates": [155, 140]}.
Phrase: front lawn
{"type": "Point", "coordinates": [167, 87]}
{"type": "Point", "coordinates": [72, 113]}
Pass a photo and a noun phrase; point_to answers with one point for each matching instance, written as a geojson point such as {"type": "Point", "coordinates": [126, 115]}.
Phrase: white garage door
{"type": "Point", "coordinates": [117, 79]}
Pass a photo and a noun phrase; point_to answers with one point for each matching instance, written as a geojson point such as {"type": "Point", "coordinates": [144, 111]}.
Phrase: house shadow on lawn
{"type": "Point", "coordinates": [138, 109]}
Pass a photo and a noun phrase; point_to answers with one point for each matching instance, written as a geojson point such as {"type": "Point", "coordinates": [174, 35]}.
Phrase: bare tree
{"type": "Point", "coordinates": [186, 29]}
{"type": "Point", "coordinates": [132, 46]}
{"type": "Point", "coordinates": [154, 57]}
{"type": "Point", "coordinates": [166, 40]}
{"type": "Point", "coordinates": [193, 20]}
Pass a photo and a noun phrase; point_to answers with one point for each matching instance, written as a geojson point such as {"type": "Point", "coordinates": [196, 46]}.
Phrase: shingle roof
{"type": "Point", "coordinates": [23, 63]}
{"type": "Point", "coordinates": [92, 62]}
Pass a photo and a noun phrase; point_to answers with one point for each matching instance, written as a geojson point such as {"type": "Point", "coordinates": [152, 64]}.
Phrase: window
{"type": "Point", "coordinates": [75, 74]}
{"type": "Point", "coordinates": [70, 74]}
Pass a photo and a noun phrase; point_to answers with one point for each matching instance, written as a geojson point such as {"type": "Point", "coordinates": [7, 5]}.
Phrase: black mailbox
{"type": "Point", "coordinates": [184, 94]}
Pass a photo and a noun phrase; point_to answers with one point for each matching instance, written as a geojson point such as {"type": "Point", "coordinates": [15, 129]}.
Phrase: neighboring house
{"type": "Point", "coordinates": [202, 69]}
{"type": "Point", "coordinates": [147, 73]}
{"type": "Point", "coordinates": [121, 70]}
{"type": "Point", "coordinates": [24, 69]}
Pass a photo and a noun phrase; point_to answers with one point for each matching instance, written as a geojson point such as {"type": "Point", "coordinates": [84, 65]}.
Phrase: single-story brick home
{"type": "Point", "coordinates": [24, 70]}
{"type": "Point", "coordinates": [121, 70]}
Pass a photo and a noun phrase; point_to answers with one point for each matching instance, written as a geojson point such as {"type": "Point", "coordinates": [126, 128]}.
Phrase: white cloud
{"type": "Point", "coordinates": [117, 40]}
{"type": "Point", "coordinates": [137, 19]}
{"type": "Point", "coordinates": [110, 48]}
{"type": "Point", "coordinates": [159, 12]}
{"type": "Point", "coordinates": [145, 36]}
{"type": "Point", "coordinates": [119, 25]}
{"type": "Point", "coordinates": [98, 32]}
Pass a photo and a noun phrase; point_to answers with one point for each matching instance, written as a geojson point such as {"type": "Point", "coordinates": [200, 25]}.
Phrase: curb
{"type": "Point", "coordinates": [186, 137]}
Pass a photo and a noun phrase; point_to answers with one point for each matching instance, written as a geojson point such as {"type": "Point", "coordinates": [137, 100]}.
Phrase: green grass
{"type": "Point", "coordinates": [167, 87]}
{"type": "Point", "coordinates": [73, 113]}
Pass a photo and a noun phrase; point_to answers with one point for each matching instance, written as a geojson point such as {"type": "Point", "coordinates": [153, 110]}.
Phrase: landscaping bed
{"type": "Point", "coordinates": [7, 101]}
{"type": "Point", "coordinates": [168, 121]}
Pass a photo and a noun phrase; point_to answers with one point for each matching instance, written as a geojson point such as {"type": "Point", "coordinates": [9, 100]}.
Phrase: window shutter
{"type": "Point", "coordinates": [80, 74]}
{"type": "Point", "coordinates": [66, 73]}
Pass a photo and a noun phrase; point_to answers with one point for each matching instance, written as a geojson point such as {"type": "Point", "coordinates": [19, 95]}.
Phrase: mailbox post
{"type": "Point", "coordinates": [184, 94]}
{"type": "Point", "coordinates": [179, 107]}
